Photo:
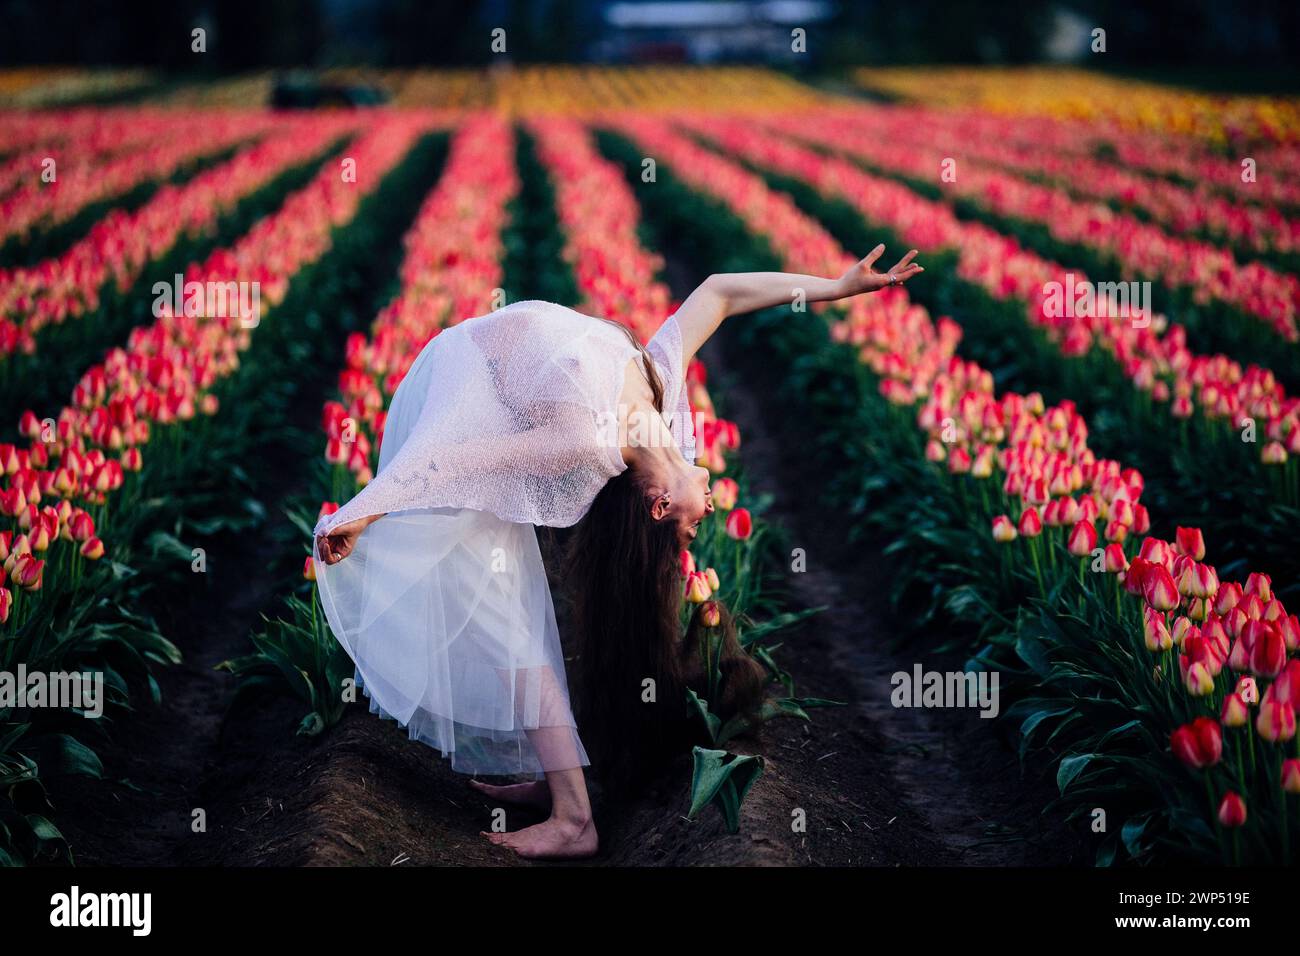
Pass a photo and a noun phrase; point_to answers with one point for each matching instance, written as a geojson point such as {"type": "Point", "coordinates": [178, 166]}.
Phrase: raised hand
{"type": "Point", "coordinates": [863, 277]}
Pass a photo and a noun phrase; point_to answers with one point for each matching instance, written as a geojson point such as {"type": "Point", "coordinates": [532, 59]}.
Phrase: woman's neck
{"type": "Point", "coordinates": [646, 437]}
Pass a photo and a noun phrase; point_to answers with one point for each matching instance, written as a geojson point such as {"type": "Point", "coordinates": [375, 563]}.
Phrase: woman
{"type": "Point", "coordinates": [538, 415]}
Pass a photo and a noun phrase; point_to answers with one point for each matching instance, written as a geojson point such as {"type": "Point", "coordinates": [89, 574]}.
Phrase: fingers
{"type": "Point", "coordinates": [902, 263]}
{"type": "Point", "coordinates": [328, 553]}
{"type": "Point", "coordinates": [873, 255]}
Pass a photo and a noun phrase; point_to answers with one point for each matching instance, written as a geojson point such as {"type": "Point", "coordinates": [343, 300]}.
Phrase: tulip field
{"type": "Point", "coordinates": [1099, 504]}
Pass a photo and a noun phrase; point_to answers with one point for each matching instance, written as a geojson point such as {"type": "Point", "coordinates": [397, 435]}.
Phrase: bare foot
{"type": "Point", "coordinates": [553, 839]}
{"type": "Point", "coordinates": [535, 793]}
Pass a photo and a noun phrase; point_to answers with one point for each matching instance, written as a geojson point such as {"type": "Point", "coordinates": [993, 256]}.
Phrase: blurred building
{"type": "Point", "coordinates": [705, 31]}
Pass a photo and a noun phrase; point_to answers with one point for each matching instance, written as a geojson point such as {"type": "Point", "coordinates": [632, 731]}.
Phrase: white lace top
{"type": "Point", "coordinates": [515, 413]}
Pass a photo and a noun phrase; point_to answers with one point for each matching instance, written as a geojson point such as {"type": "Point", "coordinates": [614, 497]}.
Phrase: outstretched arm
{"type": "Point", "coordinates": [735, 293]}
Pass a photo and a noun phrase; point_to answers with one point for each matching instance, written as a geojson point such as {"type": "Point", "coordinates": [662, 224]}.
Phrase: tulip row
{"type": "Point", "coordinates": [40, 204]}
{"type": "Point", "coordinates": [47, 86]}
{"type": "Point", "coordinates": [77, 479]}
{"type": "Point", "coordinates": [1262, 230]}
{"type": "Point", "coordinates": [616, 276]}
{"type": "Point", "coordinates": [1160, 365]}
{"type": "Point", "coordinates": [1052, 92]}
{"type": "Point", "coordinates": [166, 373]}
{"type": "Point", "coordinates": [450, 269]}
{"type": "Point", "coordinates": [120, 246]}
{"type": "Point", "coordinates": [1139, 250]}
{"type": "Point", "coordinates": [96, 135]}
{"type": "Point", "coordinates": [1042, 458]}
{"type": "Point", "coordinates": [583, 90]}
{"type": "Point", "coordinates": [1157, 157]}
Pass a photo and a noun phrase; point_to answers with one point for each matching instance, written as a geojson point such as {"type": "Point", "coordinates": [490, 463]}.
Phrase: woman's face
{"type": "Point", "coordinates": [691, 499]}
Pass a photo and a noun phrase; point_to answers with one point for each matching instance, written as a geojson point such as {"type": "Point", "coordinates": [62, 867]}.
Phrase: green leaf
{"type": "Point", "coordinates": [1131, 834]}
{"type": "Point", "coordinates": [724, 779]}
{"type": "Point", "coordinates": [311, 725]}
{"type": "Point", "coordinates": [1070, 769]}
{"type": "Point", "coordinates": [1032, 653]}
{"type": "Point", "coordinates": [700, 707]}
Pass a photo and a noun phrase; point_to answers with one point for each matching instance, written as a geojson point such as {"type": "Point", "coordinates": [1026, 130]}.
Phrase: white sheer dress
{"type": "Point", "coordinates": [503, 422]}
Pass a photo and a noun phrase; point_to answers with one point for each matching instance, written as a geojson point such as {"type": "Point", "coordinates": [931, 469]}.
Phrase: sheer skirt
{"type": "Point", "coordinates": [448, 617]}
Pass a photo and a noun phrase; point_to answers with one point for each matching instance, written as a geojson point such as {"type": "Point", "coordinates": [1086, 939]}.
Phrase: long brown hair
{"type": "Point", "coordinates": [625, 581]}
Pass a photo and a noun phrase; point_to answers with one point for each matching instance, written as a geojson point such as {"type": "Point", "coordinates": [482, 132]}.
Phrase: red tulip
{"type": "Point", "coordinates": [739, 524]}
{"type": "Point", "coordinates": [1135, 577]}
{"type": "Point", "coordinates": [1232, 811]}
{"type": "Point", "coordinates": [697, 588]}
{"type": "Point", "coordinates": [1236, 712]}
{"type": "Point", "coordinates": [1227, 597]}
{"type": "Point", "coordinates": [1286, 687]}
{"type": "Point", "coordinates": [1204, 581]}
{"type": "Point", "coordinates": [1267, 650]}
{"type": "Point", "coordinates": [1182, 629]}
{"type": "Point", "coordinates": [1260, 585]}
{"type": "Point", "coordinates": [92, 549]}
{"type": "Point", "coordinates": [1276, 720]}
{"type": "Point", "coordinates": [1291, 775]}
{"type": "Point", "coordinates": [1116, 561]}
{"type": "Point", "coordinates": [1198, 744]}
{"type": "Point", "coordinates": [1274, 453]}
{"type": "Point", "coordinates": [710, 615]}
{"type": "Point", "coordinates": [1155, 632]}
{"type": "Point", "coordinates": [1191, 542]}
{"type": "Point", "coordinates": [6, 604]}
{"type": "Point", "coordinates": [28, 572]}
{"type": "Point", "coordinates": [309, 568]}
{"type": "Point", "coordinates": [687, 562]}
{"type": "Point", "coordinates": [1248, 690]}
{"type": "Point", "coordinates": [1155, 551]}
{"type": "Point", "coordinates": [1159, 589]}
{"type": "Point", "coordinates": [1141, 519]}
{"type": "Point", "coordinates": [81, 527]}
{"type": "Point", "coordinates": [1031, 523]}
{"type": "Point", "coordinates": [29, 425]}
{"type": "Point", "coordinates": [1083, 538]}
{"type": "Point", "coordinates": [1198, 680]}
